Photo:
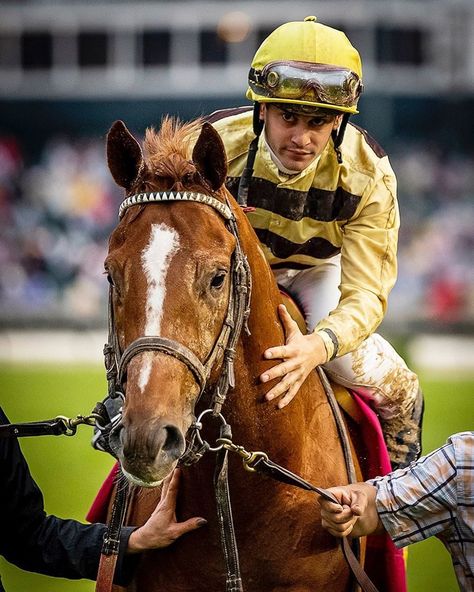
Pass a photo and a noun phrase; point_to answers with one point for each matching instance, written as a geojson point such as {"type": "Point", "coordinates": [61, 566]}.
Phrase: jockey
{"type": "Point", "coordinates": [322, 200]}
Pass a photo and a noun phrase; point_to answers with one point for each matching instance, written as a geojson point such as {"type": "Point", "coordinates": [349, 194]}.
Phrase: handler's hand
{"type": "Point", "coordinates": [162, 528]}
{"type": "Point", "coordinates": [301, 354]}
{"type": "Point", "coordinates": [356, 513]}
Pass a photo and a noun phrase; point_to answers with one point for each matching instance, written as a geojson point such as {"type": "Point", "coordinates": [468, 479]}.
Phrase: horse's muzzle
{"type": "Point", "coordinates": [148, 452]}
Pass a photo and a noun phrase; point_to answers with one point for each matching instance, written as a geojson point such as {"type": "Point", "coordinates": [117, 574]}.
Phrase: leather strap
{"type": "Point", "coordinates": [105, 575]}
{"type": "Point", "coordinates": [167, 346]}
{"type": "Point", "coordinates": [344, 438]}
{"type": "Point", "coordinates": [226, 524]}
{"type": "Point", "coordinates": [279, 473]}
{"type": "Point", "coordinates": [51, 427]}
{"type": "Point", "coordinates": [341, 428]}
{"type": "Point", "coordinates": [111, 545]}
{"type": "Point", "coordinates": [362, 578]}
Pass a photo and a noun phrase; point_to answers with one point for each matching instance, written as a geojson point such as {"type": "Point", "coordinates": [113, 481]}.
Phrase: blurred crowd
{"type": "Point", "coordinates": [56, 215]}
{"type": "Point", "coordinates": [436, 267]}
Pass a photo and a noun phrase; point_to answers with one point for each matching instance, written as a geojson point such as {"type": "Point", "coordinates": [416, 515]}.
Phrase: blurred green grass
{"type": "Point", "coordinates": [69, 472]}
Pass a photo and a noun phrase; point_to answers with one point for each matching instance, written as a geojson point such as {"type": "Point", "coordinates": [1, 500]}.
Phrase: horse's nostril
{"type": "Point", "coordinates": [173, 440]}
{"type": "Point", "coordinates": [116, 438]}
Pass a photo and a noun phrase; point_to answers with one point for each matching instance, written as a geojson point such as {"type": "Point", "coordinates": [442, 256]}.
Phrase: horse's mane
{"type": "Point", "coordinates": [168, 150]}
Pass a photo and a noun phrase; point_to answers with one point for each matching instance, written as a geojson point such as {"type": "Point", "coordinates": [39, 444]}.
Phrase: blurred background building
{"type": "Point", "coordinates": [69, 69]}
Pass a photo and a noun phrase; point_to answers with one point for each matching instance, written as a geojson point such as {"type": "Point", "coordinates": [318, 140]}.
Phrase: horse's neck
{"type": "Point", "coordinates": [257, 420]}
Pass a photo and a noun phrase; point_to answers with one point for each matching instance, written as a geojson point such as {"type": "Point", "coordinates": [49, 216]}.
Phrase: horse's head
{"type": "Point", "coordinates": [169, 265]}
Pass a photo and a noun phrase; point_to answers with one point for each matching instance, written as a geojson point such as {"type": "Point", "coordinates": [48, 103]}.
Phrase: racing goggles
{"type": "Point", "coordinates": [308, 83]}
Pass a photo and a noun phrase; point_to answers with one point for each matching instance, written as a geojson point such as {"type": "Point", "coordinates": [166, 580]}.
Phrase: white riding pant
{"type": "Point", "coordinates": [374, 369]}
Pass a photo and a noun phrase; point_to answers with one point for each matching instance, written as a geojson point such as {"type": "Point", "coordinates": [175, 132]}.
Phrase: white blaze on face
{"type": "Point", "coordinates": [156, 259]}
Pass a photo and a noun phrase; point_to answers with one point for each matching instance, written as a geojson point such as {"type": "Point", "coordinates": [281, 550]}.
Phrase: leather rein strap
{"type": "Point", "coordinates": [267, 467]}
{"type": "Point", "coordinates": [51, 427]}
{"type": "Point", "coordinates": [226, 523]}
{"type": "Point", "coordinates": [111, 544]}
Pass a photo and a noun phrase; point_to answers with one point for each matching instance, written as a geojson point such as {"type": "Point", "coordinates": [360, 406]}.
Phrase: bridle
{"type": "Point", "coordinates": [224, 349]}
{"type": "Point", "coordinates": [238, 310]}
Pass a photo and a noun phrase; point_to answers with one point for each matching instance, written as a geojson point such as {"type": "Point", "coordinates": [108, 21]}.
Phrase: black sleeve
{"type": "Point", "coordinates": [46, 544]}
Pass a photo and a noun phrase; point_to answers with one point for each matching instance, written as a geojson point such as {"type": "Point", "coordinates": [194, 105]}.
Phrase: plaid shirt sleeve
{"type": "Point", "coordinates": [422, 500]}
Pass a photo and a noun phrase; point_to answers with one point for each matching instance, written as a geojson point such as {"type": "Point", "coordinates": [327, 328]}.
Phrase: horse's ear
{"type": "Point", "coordinates": [124, 155]}
{"type": "Point", "coordinates": [209, 156]}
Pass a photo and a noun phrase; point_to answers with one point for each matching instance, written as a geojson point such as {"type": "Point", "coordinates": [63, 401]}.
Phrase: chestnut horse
{"type": "Point", "coordinates": [171, 264]}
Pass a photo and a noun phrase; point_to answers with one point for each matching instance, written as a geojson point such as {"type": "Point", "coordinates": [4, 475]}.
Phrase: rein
{"type": "Point", "coordinates": [59, 426]}
{"type": "Point", "coordinates": [224, 349]}
{"type": "Point", "coordinates": [259, 462]}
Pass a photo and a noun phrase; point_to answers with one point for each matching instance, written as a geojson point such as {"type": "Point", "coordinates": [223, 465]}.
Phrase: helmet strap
{"type": "Point", "coordinates": [257, 122]}
{"type": "Point", "coordinates": [338, 136]}
{"type": "Point", "coordinates": [244, 183]}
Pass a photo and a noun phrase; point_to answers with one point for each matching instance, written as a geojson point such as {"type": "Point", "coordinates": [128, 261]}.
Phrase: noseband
{"type": "Point", "coordinates": [238, 311]}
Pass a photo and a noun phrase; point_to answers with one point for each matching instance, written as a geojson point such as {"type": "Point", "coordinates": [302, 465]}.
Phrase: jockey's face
{"type": "Point", "coordinates": [297, 139]}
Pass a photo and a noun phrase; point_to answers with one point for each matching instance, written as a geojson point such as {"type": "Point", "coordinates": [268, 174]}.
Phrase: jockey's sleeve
{"type": "Point", "coordinates": [368, 266]}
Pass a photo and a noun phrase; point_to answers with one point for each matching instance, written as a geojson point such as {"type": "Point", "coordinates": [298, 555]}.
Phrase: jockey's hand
{"type": "Point", "coordinates": [356, 513]}
{"type": "Point", "coordinates": [300, 354]}
{"type": "Point", "coordinates": [161, 529]}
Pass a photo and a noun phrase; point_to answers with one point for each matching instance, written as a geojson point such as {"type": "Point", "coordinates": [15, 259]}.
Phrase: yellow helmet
{"type": "Point", "coordinates": [307, 64]}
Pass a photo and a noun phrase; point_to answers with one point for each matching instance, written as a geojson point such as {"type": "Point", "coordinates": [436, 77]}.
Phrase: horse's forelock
{"type": "Point", "coordinates": [173, 141]}
{"type": "Point", "coordinates": [169, 163]}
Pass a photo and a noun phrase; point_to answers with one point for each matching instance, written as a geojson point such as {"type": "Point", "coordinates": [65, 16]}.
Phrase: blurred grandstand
{"type": "Point", "coordinates": [67, 70]}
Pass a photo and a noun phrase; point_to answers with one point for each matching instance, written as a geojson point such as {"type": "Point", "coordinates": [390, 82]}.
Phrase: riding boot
{"type": "Point", "coordinates": [403, 435]}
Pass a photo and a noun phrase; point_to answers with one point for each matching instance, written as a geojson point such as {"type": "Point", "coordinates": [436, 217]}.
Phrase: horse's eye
{"type": "Point", "coordinates": [218, 280]}
{"type": "Point", "coordinates": [110, 280]}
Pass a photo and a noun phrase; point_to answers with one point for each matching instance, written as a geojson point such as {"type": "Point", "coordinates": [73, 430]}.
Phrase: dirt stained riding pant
{"type": "Point", "coordinates": [374, 369]}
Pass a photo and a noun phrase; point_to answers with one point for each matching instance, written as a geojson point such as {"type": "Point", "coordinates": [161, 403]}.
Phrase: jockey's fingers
{"type": "Point", "coordinates": [290, 382]}
{"type": "Point", "coordinates": [290, 395]}
{"type": "Point", "coordinates": [280, 351]}
{"type": "Point", "coordinates": [282, 369]}
{"type": "Point", "coordinates": [289, 324]}
{"type": "Point", "coordinates": [278, 389]}
{"type": "Point", "coordinates": [289, 352]}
